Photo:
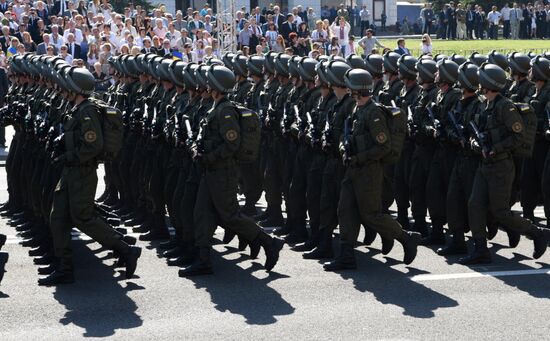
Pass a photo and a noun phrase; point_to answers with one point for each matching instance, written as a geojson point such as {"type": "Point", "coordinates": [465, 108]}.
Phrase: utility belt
{"type": "Point", "coordinates": [219, 165]}
{"type": "Point", "coordinates": [497, 158]}
{"type": "Point", "coordinates": [82, 165]}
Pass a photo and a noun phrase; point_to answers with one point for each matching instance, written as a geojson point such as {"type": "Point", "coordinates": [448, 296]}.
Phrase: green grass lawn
{"type": "Point", "coordinates": [467, 47]}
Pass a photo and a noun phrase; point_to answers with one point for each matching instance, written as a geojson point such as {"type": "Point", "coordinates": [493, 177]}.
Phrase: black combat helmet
{"type": "Point", "coordinates": [281, 64]}
{"type": "Point", "coordinates": [255, 65]}
{"type": "Point", "coordinates": [239, 65]}
{"type": "Point", "coordinates": [492, 77]}
{"type": "Point", "coordinates": [335, 72]}
{"type": "Point", "coordinates": [426, 70]}
{"type": "Point", "coordinates": [152, 66]}
{"type": "Point", "coordinates": [407, 67]}
{"type": "Point", "coordinates": [163, 69]}
{"type": "Point", "coordinates": [540, 69]}
{"type": "Point", "coordinates": [227, 59]}
{"type": "Point", "coordinates": [80, 81]}
{"type": "Point", "coordinates": [269, 62]}
{"type": "Point", "coordinates": [132, 66]}
{"type": "Point", "coordinates": [499, 59]}
{"type": "Point", "coordinates": [477, 58]}
{"type": "Point", "coordinates": [519, 63]}
{"type": "Point", "coordinates": [220, 78]}
{"type": "Point", "coordinates": [293, 66]}
{"type": "Point", "coordinates": [440, 56]}
{"type": "Point", "coordinates": [459, 59]}
{"type": "Point", "coordinates": [306, 68]}
{"type": "Point", "coordinates": [468, 77]}
{"type": "Point", "coordinates": [374, 63]}
{"type": "Point", "coordinates": [176, 72]}
{"type": "Point", "coordinates": [200, 76]}
{"type": "Point", "coordinates": [338, 58]}
{"type": "Point", "coordinates": [390, 62]}
{"type": "Point", "coordinates": [355, 61]}
{"type": "Point", "coordinates": [189, 79]}
{"type": "Point", "coordinates": [448, 71]}
{"type": "Point", "coordinates": [213, 61]}
{"type": "Point", "coordinates": [358, 80]}
{"type": "Point", "coordinates": [321, 69]}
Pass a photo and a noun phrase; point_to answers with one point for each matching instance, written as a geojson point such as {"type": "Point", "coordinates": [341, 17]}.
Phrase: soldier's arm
{"type": "Point", "coordinates": [514, 129]}
{"type": "Point", "coordinates": [376, 130]}
{"type": "Point", "coordinates": [88, 142]}
{"type": "Point", "coordinates": [230, 132]}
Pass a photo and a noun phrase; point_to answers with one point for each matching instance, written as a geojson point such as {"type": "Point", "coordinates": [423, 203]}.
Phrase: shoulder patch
{"type": "Point", "coordinates": [90, 136]}
{"type": "Point", "coordinates": [381, 138]}
{"type": "Point", "coordinates": [231, 135]}
{"type": "Point", "coordinates": [522, 106]}
{"type": "Point", "coordinates": [517, 127]}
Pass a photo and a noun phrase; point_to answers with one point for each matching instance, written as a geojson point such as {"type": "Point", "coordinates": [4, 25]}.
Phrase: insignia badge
{"type": "Point", "coordinates": [381, 138]}
{"type": "Point", "coordinates": [231, 135]}
{"type": "Point", "coordinates": [517, 127]}
{"type": "Point", "coordinates": [90, 136]}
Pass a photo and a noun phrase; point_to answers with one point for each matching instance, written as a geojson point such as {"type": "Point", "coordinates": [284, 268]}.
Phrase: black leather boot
{"type": "Point", "coordinates": [272, 247]}
{"type": "Point", "coordinates": [513, 238]}
{"type": "Point", "coordinates": [129, 255]}
{"type": "Point", "coordinates": [387, 245]}
{"type": "Point", "coordinates": [3, 260]}
{"type": "Point", "coordinates": [370, 236]}
{"type": "Point", "coordinates": [403, 218]}
{"type": "Point", "coordinates": [323, 250]}
{"type": "Point", "coordinates": [228, 236]}
{"type": "Point", "coordinates": [345, 261]}
{"type": "Point", "coordinates": [63, 274]}
{"type": "Point", "coordinates": [457, 246]}
{"type": "Point", "coordinates": [201, 266]}
{"type": "Point", "coordinates": [480, 255]}
{"type": "Point", "coordinates": [410, 241]}
{"type": "Point", "coordinates": [3, 239]}
{"type": "Point", "coordinates": [539, 241]}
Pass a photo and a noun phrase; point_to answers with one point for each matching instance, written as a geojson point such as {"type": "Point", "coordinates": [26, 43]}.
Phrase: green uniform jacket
{"type": "Point", "coordinates": [502, 121]}
{"type": "Point", "coordinates": [83, 135]}
{"type": "Point", "coordinates": [370, 135]}
{"type": "Point", "coordinates": [220, 134]}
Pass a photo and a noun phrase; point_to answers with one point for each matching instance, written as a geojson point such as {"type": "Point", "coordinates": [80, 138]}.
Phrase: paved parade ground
{"type": "Point", "coordinates": [433, 299]}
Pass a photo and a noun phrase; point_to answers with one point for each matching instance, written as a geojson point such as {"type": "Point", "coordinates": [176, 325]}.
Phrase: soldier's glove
{"type": "Point", "coordinates": [197, 157]}
{"type": "Point", "coordinates": [488, 154]}
{"type": "Point", "coordinates": [547, 134]}
{"type": "Point", "coordinates": [474, 145]}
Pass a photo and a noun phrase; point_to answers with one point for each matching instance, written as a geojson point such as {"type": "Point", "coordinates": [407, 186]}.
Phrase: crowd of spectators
{"type": "Point", "coordinates": [87, 33]}
{"type": "Point", "coordinates": [485, 21]}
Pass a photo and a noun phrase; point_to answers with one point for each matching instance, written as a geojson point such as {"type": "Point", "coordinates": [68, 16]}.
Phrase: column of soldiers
{"type": "Point", "coordinates": [339, 140]}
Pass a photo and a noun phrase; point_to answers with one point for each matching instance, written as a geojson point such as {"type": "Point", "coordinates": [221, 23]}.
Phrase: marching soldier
{"type": "Point", "coordinates": [501, 130]}
{"type": "Point", "coordinates": [218, 141]}
{"type": "Point", "coordinates": [366, 141]}
{"type": "Point", "coordinates": [467, 161]}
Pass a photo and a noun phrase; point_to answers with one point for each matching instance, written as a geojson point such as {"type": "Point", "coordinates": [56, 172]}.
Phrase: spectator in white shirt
{"type": "Point", "coordinates": [494, 19]}
{"type": "Point", "coordinates": [341, 31]}
{"type": "Point", "coordinates": [173, 36]}
{"type": "Point", "coordinates": [426, 45]}
{"type": "Point", "coordinates": [55, 38]}
{"type": "Point", "coordinates": [75, 31]}
{"type": "Point", "coordinates": [159, 29]}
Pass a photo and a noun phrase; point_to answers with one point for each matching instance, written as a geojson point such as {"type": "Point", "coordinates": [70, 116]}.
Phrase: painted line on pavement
{"type": "Point", "coordinates": [442, 277]}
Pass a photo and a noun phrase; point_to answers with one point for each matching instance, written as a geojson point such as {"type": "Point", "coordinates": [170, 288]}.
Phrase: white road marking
{"type": "Point", "coordinates": [442, 277]}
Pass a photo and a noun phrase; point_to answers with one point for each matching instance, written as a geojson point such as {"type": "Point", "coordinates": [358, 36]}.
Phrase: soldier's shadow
{"type": "Point", "coordinates": [240, 292]}
{"type": "Point", "coordinates": [97, 302]}
{"type": "Point", "coordinates": [390, 286]}
{"type": "Point", "coordinates": [536, 285]}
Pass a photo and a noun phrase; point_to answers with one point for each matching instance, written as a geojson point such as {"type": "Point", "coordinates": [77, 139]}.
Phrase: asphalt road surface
{"type": "Point", "coordinates": [433, 299]}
